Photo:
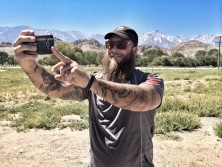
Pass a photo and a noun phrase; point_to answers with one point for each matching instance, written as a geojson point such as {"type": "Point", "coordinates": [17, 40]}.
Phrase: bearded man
{"type": "Point", "coordinates": [122, 99]}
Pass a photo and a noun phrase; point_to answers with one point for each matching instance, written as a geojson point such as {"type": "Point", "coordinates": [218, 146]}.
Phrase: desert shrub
{"type": "Point", "coordinates": [31, 106]}
{"type": "Point", "coordinates": [38, 120]}
{"type": "Point", "coordinates": [3, 113]}
{"type": "Point", "coordinates": [172, 105]}
{"type": "Point", "coordinates": [176, 121]}
{"type": "Point", "coordinates": [186, 78]}
{"type": "Point", "coordinates": [41, 115]}
{"type": "Point", "coordinates": [2, 108]}
{"type": "Point", "coordinates": [204, 107]}
{"type": "Point", "coordinates": [218, 130]}
{"type": "Point", "coordinates": [76, 108]}
{"type": "Point", "coordinates": [187, 89]}
{"type": "Point", "coordinates": [79, 125]}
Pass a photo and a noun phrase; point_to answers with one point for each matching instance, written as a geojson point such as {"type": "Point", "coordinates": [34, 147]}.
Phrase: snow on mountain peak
{"type": "Point", "coordinates": [154, 38]}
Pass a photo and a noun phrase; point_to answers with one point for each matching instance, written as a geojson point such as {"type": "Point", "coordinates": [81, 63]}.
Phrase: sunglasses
{"type": "Point", "coordinates": [119, 44]}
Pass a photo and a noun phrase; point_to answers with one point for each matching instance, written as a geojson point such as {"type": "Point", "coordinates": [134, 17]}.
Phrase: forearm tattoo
{"type": "Point", "coordinates": [134, 96]}
{"type": "Point", "coordinates": [75, 94]}
{"type": "Point", "coordinates": [49, 83]}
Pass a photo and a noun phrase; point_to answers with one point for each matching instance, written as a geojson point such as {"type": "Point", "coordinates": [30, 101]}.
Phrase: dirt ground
{"type": "Point", "coordinates": [66, 148]}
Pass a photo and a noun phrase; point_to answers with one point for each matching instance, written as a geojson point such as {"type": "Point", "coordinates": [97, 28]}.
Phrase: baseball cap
{"type": "Point", "coordinates": [125, 33]}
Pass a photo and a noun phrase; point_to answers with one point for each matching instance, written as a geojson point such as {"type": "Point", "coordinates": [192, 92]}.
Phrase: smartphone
{"type": "Point", "coordinates": [43, 43]}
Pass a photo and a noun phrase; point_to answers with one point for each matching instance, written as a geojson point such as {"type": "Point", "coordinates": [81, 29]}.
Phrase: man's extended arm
{"type": "Point", "coordinates": [46, 83]}
{"type": "Point", "coordinates": [40, 77]}
{"type": "Point", "coordinates": [141, 97]}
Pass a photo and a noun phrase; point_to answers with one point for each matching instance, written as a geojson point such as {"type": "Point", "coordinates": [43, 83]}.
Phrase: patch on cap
{"type": "Point", "coordinates": [121, 28]}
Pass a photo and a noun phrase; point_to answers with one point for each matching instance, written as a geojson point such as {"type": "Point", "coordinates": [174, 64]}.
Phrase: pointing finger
{"type": "Point", "coordinates": [61, 57]}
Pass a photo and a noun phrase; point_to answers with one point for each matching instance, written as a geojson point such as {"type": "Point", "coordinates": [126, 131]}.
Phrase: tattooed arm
{"type": "Point", "coordinates": [41, 78]}
{"type": "Point", "coordinates": [141, 97]}
{"type": "Point", "coordinates": [46, 83]}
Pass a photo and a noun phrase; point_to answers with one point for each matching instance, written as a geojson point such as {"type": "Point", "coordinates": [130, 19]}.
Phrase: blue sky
{"type": "Point", "coordinates": [172, 17]}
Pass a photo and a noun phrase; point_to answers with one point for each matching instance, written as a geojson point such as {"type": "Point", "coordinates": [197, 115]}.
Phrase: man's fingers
{"type": "Point", "coordinates": [63, 68]}
{"type": "Point", "coordinates": [27, 32]}
{"type": "Point", "coordinates": [58, 77]}
{"type": "Point", "coordinates": [57, 66]}
{"type": "Point", "coordinates": [61, 57]}
{"type": "Point", "coordinates": [25, 36]}
{"type": "Point", "coordinates": [23, 39]}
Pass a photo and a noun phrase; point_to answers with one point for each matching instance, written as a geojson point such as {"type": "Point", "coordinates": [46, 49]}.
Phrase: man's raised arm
{"type": "Point", "coordinates": [40, 77]}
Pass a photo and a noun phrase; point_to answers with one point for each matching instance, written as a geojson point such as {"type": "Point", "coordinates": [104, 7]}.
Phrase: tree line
{"type": "Point", "coordinates": [151, 57]}
{"type": "Point", "coordinates": [156, 57]}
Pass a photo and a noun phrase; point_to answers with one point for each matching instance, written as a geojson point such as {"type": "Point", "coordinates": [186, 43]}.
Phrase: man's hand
{"type": "Point", "coordinates": [20, 47]}
{"type": "Point", "coordinates": [70, 71]}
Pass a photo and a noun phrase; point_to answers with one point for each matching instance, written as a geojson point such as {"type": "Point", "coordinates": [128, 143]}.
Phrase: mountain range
{"type": "Point", "coordinates": [154, 38]}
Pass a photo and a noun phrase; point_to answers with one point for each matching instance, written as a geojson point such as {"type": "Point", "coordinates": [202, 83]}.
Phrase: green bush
{"type": "Point", "coordinates": [79, 125]}
{"type": "Point", "coordinates": [31, 106]}
{"type": "Point", "coordinates": [203, 107]}
{"type": "Point", "coordinates": [175, 121]}
{"type": "Point", "coordinates": [41, 115]}
{"type": "Point", "coordinates": [173, 105]}
{"type": "Point", "coordinates": [38, 120]}
{"type": "Point", "coordinates": [218, 130]}
{"type": "Point", "coordinates": [77, 108]}
{"type": "Point", "coordinates": [3, 112]}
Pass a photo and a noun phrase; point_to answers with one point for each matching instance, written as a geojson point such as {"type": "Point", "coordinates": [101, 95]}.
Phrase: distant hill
{"type": "Point", "coordinates": [189, 48]}
{"type": "Point", "coordinates": [8, 50]}
{"type": "Point", "coordinates": [5, 44]}
{"type": "Point", "coordinates": [154, 38]}
{"type": "Point", "coordinates": [89, 45]}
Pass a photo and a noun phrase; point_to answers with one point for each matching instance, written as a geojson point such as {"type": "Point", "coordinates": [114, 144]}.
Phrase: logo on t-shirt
{"type": "Point", "coordinates": [153, 80]}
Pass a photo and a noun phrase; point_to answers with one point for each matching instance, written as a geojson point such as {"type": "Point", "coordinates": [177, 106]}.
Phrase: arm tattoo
{"type": "Point", "coordinates": [135, 96]}
{"type": "Point", "coordinates": [36, 68]}
{"type": "Point", "coordinates": [50, 83]}
{"type": "Point", "coordinates": [76, 94]}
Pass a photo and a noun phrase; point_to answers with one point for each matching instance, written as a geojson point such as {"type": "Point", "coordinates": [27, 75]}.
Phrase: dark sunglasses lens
{"type": "Point", "coordinates": [109, 44]}
{"type": "Point", "coordinates": [121, 45]}
{"type": "Point", "coordinates": [118, 44]}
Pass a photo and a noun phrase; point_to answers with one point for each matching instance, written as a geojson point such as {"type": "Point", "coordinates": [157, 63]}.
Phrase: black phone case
{"type": "Point", "coordinates": [43, 43]}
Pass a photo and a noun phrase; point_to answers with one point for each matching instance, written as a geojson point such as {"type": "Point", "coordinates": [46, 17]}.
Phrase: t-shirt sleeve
{"type": "Point", "coordinates": [156, 82]}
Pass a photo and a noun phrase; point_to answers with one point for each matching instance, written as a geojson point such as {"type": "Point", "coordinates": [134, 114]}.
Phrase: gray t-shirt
{"type": "Point", "coordinates": [118, 137]}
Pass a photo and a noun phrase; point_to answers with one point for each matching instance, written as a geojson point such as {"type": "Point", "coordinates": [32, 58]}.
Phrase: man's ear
{"type": "Point", "coordinates": [135, 49]}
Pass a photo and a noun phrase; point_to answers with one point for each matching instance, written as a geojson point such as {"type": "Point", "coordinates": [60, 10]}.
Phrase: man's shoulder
{"type": "Point", "coordinates": [139, 72]}
{"type": "Point", "coordinates": [141, 76]}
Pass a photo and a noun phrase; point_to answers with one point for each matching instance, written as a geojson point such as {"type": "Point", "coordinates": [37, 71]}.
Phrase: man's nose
{"type": "Point", "coordinates": [114, 49]}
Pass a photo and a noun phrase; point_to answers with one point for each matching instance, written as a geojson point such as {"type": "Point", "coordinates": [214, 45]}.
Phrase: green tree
{"type": "Point", "coordinates": [152, 53]}
{"type": "Point", "coordinates": [144, 61]}
{"type": "Point", "coordinates": [139, 60]}
{"type": "Point", "coordinates": [213, 52]}
{"type": "Point", "coordinates": [99, 57]}
{"type": "Point", "coordinates": [177, 55]}
{"type": "Point", "coordinates": [161, 61]}
{"type": "Point", "coordinates": [80, 58]}
{"type": "Point", "coordinates": [51, 60]}
{"type": "Point", "coordinates": [190, 62]}
{"type": "Point", "coordinates": [12, 61]}
{"type": "Point", "coordinates": [178, 59]}
{"type": "Point", "coordinates": [3, 57]}
{"type": "Point", "coordinates": [90, 57]}
{"type": "Point", "coordinates": [68, 49]}
{"type": "Point", "coordinates": [200, 56]}
{"type": "Point", "coordinates": [212, 56]}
